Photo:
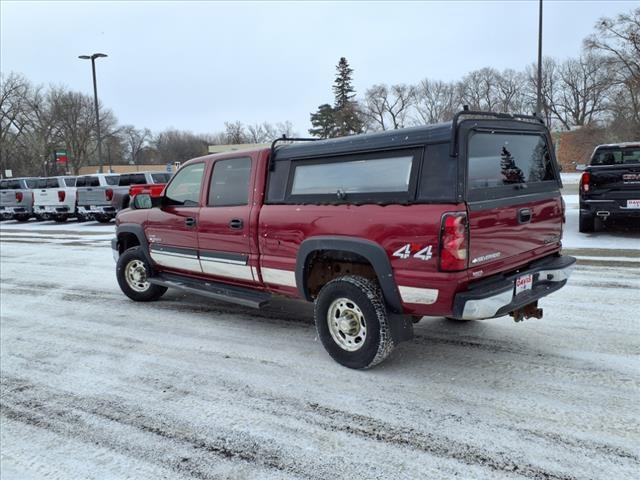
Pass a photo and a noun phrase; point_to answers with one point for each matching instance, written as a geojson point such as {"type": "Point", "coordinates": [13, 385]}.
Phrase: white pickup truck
{"type": "Point", "coordinates": [55, 198]}
{"type": "Point", "coordinates": [94, 202]}
{"type": "Point", "coordinates": [16, 198]}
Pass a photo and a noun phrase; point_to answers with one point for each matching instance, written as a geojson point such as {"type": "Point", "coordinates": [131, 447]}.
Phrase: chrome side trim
{"type": "Point", "coordinates": [174, 260]}
{"type": "Point", "coordinates": [425, 296]}
{"type": "Point", "coordinates": [279, 277]}
{"type": "Point", "coordinates": [225, 268]}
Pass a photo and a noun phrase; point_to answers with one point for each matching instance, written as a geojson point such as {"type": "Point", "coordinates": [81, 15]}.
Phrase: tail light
{"type": "Point", "coordinates": [61, 195]}
{"type": "Point", "coordinates": [454, 241]}
{"type": "Point", "coordinates": [584, 182]}
{"type": "Point", "coordinates": [19, 197]}
{"type": "Point", "coordinates": [109, 194]}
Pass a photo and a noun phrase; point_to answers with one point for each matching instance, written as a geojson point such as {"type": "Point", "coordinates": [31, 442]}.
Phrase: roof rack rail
{"type": "Point", "coordinates": [284, 138]}
{"type": "Point", "coordinates": [453, 150]}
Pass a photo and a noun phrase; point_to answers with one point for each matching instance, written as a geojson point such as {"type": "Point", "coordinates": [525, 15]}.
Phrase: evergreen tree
{"type": "Point", "coordinates": [344, 118]}
{"type": "Point", "coordinates": [324, 122]}
{"type": "Point", "coordinates": [346, 111]}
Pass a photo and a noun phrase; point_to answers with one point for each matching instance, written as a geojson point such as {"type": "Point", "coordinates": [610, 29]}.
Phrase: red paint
{"type": "Point", "coordinates": [272, 234]}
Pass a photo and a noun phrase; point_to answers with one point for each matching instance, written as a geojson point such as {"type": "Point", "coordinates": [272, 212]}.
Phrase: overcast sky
{"type": "Point", "coordinates": [195, 65]}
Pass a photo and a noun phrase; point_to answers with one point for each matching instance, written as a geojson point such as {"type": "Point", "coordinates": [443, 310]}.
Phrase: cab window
{"type": "Point", "coordinates": [184, 190]}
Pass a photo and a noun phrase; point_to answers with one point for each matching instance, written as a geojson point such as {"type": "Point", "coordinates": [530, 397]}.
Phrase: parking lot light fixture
{"type": "Point", "coordinates": [93, 57]}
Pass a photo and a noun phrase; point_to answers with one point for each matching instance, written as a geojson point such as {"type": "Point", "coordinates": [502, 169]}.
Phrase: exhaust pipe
{"type": "Point", "coordinates": [603, 213]}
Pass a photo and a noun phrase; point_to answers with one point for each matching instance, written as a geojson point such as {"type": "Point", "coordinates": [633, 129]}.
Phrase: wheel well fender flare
{"type": "Point", "coordinates": [138, 231]}
{"type": "Point", "coordinates": [372, 251]}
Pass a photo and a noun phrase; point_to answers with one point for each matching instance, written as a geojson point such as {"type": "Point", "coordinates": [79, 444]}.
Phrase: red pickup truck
{"type": "Point", "coordinates": [462, 220]}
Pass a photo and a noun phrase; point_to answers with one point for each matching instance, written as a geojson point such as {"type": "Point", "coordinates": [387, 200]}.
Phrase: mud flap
{"type": "Point", "coordinates": [401, 327]}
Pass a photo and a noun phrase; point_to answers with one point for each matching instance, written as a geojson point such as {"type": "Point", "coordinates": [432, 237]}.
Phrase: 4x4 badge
{"type": "Point", "coordinates": [422, 253]}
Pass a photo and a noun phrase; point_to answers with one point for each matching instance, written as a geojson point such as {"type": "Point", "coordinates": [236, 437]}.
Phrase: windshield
{"type": "Point", "coordinates": [112, 179]}
{"type": "Point", "coordinates": [616, 156]}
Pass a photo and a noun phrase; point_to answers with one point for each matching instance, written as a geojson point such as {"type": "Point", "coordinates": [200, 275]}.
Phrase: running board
{"type": "Point", "coordinates": [218, 291]}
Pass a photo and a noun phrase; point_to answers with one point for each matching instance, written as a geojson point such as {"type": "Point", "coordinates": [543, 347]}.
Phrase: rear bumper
{"type": "Point", "coordinates": [609, 208]}
{"type": "Point", "coordinates": [496, 297]}
{"type": "Point", "coordinates": [12, 210]}
{"type": "Point", "coordinates": [100, 209]}
{"type": "Point", "coordinates": [52, 209]}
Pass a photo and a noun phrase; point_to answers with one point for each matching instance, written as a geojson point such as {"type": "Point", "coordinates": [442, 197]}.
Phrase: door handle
{"type": "Point", "coordinates": [524, 215]}
{"type": "Point", "coordinates": [236, 223]}
{"type": "Point", "coordinates": [190, 222]}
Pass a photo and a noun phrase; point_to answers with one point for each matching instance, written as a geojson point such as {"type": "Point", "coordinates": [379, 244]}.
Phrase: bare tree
{"type": "Point", "coordinates": [388, 108]}
{"type": "Point", "coordinates": [478, 89]}
{"type": "Point", "coordinates": [618, 39]}
{"type": "Point", "coordinates": [178, 146]}
{"type": "Point", "coordinates": [136, 139]}
{"type": "Point", "coordinates": [583, 89]}
{"type": "Point", "coordinates": [435, 101]}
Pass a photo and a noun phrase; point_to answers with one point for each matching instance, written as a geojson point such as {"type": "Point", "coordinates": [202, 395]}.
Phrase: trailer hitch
{"type": "Point", "coordinates": [528, 311]}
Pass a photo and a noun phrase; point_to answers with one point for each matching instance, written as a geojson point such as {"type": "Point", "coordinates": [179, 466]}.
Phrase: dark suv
{"type": "Point", "coordinates": [462, 219]}
{"type": "Point", "coordinates": [610, 186]}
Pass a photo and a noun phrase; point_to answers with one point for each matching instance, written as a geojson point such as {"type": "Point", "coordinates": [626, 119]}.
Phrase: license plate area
{"type": "Point", "coordinates": [633, 203]}
{"type": "Point", "coordinates": [524, 283]}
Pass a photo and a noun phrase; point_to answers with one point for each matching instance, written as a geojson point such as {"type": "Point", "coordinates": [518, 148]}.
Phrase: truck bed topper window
{"type": "Point", "coordinates": [364, 178]}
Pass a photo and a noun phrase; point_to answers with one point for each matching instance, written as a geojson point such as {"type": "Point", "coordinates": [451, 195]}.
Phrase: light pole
{"type": "Point", "coordinates": [539, 92]}
{"type": "Point", "coordinates": [95, 99]}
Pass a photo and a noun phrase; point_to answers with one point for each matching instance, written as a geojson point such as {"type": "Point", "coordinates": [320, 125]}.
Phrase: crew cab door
{"type": "Point", "coordinates": [172, 228]}
{"type": "Point", "coordinates": [225, 230]}
{"type": "Point", "coordinates": [513, 197]}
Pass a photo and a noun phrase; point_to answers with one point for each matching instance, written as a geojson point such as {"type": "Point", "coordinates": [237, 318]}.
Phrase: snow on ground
{"type": "Point", "coordinates": [95, 386]}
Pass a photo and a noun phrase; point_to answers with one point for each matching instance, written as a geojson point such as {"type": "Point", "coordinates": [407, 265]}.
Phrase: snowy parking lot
{"type": "Point", "coordinates": [94, 386]}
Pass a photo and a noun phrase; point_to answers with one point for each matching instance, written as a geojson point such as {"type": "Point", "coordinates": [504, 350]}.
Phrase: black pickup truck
{"type": "Point", "coordinates": [610, 186]}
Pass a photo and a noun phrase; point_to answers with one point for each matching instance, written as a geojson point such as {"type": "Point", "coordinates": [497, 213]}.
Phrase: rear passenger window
{"type": "Point", "coordinates": [230, 183]}
{"type": "Point", "coordinates": [124, 181]}
{"type": "Point", "coordinates": [184, 190]}
{"type": "Point", "coordinates": [138, 179]}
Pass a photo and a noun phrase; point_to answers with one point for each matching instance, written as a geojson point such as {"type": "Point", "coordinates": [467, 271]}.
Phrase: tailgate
{"type": "Point", "coordinates": [92, 196]}
{"type": "Point", "coordinates": [8, 198]}
{"type": "Point", "coordinates": [513, 199]}
{"type": "Point", "coordinates": [46, 196]}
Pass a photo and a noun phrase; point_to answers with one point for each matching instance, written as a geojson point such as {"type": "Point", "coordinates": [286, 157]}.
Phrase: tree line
{"type": "Point", "coordinates": [600, 87]}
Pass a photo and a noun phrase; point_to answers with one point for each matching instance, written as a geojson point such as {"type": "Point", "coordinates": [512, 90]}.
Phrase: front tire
{"type": "Point", "coordinates": [103, 218]}
{"type": "Point", "coordinates": [132, 272]}
{"type": "Point", "coordinates": [352, 322]}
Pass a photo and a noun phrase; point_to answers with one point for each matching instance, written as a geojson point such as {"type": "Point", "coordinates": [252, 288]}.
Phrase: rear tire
{"type": "Point", "coordinates": [132, 272]}
{"type": "Point", "coordinates": [60, 218]}
{"type": "Point", "coordinates": [22, 217]}
{"type": "Point", "coordinates": [103, 218]}
{"type": "Point", "coordinates": [352, 323]}
{"type": "Point", "coordinates": [586, 224]}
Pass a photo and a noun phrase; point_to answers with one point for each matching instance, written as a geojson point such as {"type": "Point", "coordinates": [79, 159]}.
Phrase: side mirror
{"type": "Point", "coordinates": [142, 201]}
{"type": "Point", "coordinates": [581, 167]}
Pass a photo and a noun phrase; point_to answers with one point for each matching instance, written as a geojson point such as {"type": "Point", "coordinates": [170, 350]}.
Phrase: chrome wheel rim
{"type": "Point", "coordinates": [346, 324]}
{"type": "Point", "coordinates": [136, 275]}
